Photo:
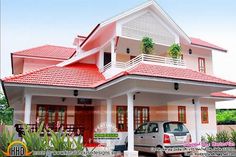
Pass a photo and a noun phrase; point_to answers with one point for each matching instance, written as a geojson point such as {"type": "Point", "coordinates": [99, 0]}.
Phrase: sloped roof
{"type": "Point", "coordinates": [200, 42]}
{"type": "Point", "coordinates": [176, 73]}
{"type": "Point", "coordinates": [223, 95]}
{"type": "Point", "coordinates": [48, 51]}
{"type": "Point", "coordinates": [78, 75]}
{"type": "Point", "coordinates": [88, 76]}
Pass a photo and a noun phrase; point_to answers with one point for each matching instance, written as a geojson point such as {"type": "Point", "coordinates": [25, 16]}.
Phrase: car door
{"type": "Point", "coordinates": [152, 138]}
{"type": "Point", "coordinates": [139, 137]}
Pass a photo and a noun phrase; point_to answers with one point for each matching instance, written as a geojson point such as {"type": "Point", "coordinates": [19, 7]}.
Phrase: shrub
{"type": "Point", "coordinates": [210, 138]}
{"type": "Point", "coordinates": [34, 141]}
{"type": "Point", "coordinates": [174, 51]}
{"type": "Point", "coordinates": [233, 136]}
{"type": "Point", "coordinates": [147, 45]}
{"type": "Point", "coordinates": [222, 136]}
{"type": "Point", "coordinates": [5, 139]}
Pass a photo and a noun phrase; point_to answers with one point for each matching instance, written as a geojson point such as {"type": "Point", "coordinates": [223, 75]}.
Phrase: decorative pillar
{"type": "Point", "coordinates": [113, 54]}
{"type": "Point", "coordinates": [100, 63]}
{"type": "Point", "coordinates": [109, 111]}
{"type": "Point", "coordinates": [28, 99]}
{"type": "Point", "coordinates": [197, 109]}
{"type": "Point", "coordinates": [130, 103]}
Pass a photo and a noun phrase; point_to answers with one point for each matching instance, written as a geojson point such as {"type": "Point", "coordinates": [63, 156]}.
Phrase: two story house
{"type": "Point", "coordinates": [107, 79]}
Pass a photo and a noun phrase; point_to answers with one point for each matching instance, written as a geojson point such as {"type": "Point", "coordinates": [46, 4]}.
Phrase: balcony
{"type": "Point", "coordinates": [113, 68]}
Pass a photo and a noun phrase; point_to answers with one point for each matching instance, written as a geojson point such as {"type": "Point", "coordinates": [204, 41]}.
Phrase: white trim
{"type": "Point", "coordinates": [139, 40]}
{"type": "Point", "coordinates": [79, 57]}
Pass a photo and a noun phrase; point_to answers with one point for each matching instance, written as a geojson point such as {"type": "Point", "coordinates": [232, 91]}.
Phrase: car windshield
{"type": "Point", "coordinates": [174, 127]}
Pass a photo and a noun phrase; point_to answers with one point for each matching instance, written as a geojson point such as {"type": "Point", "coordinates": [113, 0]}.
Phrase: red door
{"type": "Point", "coordinates": [84, 118]}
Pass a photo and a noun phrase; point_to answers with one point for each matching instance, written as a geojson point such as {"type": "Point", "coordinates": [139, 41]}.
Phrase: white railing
{"type": "Point", "coordinates": [166, 61]}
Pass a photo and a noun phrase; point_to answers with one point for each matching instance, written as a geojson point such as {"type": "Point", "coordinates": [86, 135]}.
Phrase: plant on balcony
{"type": "Point", "coordinates": [174, 51]}
{"type": "Point", "coordinates": [147, 45]}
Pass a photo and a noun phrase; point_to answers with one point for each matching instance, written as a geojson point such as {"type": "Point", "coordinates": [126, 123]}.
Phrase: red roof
{"type": "Point", "coordinates": [223, 95]}
{"type": "Point", "coordinates": [199, 42]}
{"type": "Point", "coordinates": [84, 75]}
{"type": "Point", "coordinates": [80, 75]}
{"type": "Point", "coordinates": [177, 73]}
{"type": "Point", "coordinates": [48, 51]}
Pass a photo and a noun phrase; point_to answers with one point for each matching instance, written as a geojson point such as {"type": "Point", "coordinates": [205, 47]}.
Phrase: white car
{"type": "Point", "coordinates": [162, 138]}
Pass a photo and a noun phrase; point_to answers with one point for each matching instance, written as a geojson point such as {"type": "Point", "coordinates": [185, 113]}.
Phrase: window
{"type": "Point", "coordinates": [141, 115]}
{"type": "Point", "coordinates": [51, 114]}
{"type": "Point", "coordinates": [204, 115]}
{"type": "Point", "coordinates": [121, 120]}
{"type": "Point", "coordinates": [182, 114]}
{"type": "Point", "coordinates": [201, 65]}
{"type": "Point", "coordinates": [153, 127]}
{"type": "Point", "coordinates": [142, 129]}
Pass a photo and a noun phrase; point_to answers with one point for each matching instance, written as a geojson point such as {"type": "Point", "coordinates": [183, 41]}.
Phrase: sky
{"type": "Point", "coordinates": [29, 23]}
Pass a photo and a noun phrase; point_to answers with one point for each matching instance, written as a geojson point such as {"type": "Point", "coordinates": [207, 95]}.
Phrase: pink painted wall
{"type": "Point", "coordinates": [33, 64]}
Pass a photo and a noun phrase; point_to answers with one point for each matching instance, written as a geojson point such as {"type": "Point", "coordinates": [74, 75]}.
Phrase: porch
{"type": "Point", "coordinates": [135, 94]}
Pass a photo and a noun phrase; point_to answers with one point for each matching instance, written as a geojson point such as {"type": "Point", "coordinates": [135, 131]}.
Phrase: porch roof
{"type": "Point", "coordinates": [88, 76]}
{"type": "Point", "coordinates": [223, 95]}
{"type": "Point", "coordinates": [202, 43]}
{"type": "Point", "coordinates": [48, 51]}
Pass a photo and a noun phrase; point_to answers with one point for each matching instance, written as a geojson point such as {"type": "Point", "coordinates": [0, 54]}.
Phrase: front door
{"type": "Point", "coordinates": [84, 119]}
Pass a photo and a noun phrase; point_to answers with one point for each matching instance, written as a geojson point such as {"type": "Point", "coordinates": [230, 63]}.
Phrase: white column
{"type": "Point", "coordinates": [130, 103]}
{"type": "Point", "coordinates": [101, 60]}
{"type": "Point", "coordinates": [197, 109]}
{"type": "Point", "coordinates": [109, 111]}
{"type": "Point", "coordinates": [28, 99]}
{"type": "Point", "coordinates": [113, 54]}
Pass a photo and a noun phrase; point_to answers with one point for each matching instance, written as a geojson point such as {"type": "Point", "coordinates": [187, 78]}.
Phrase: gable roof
{"type": "Point", "coordinates": [149, 3]}
{"type": "Point", "coordinates": [88, 76]}
{"type": "Point", "coordinates": [48, 51]}
{"type": "Point", "coordinates": [199, 42]}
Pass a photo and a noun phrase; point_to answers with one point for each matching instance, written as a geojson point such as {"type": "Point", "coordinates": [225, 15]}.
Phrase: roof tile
{"type": "Point", "coordinates": [48, 51]}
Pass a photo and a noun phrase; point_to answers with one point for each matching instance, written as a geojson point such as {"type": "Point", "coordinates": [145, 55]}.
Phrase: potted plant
{"type": "Point", "coordinates": [174, 51]}
{"type": "Point", "coordinates": [147, 45]}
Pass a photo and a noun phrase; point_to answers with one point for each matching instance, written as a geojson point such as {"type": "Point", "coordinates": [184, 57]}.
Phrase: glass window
{"type": "Point", "coordinates": [204, 114]}
{"type": "Point", "coordinates": [153, 127]}
{"type": "Point", "coordinates": [122, 118]}
{"type": "Point", "coordinates": [182, 114]}
{"type": "Point", "coordinates": [201, 65]}
{"type": "Point", "coordinates": [174, 127]}
{"type": "Point", "coordinates": [141, 115]}
{"type": "Point", "coordinates": [142, 129]}
{"type": "Point", "coordinates": [51, 114]}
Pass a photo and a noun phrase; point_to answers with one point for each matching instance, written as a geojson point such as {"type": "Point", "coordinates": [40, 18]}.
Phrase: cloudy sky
{"type": "Point", "coordinates": [28, 23]}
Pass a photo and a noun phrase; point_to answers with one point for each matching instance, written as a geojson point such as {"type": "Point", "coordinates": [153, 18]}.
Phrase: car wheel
{"type": "Point", "coordinates": [160, 153]}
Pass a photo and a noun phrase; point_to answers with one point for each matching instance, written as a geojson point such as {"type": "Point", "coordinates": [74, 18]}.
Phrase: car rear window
{"type": "Point", "coordinates": [174, 127]}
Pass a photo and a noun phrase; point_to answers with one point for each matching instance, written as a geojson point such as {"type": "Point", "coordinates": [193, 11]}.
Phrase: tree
{"type": "Point", "coordinates": [6, 112]}
{"type": "Point", "coordinates": [174, 51]}
{"type": "Point", "coordinates": [147, 45]}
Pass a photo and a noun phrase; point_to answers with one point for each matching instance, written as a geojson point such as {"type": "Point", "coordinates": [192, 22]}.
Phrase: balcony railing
{"type": "Point", "coordinates": [153, 59]}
